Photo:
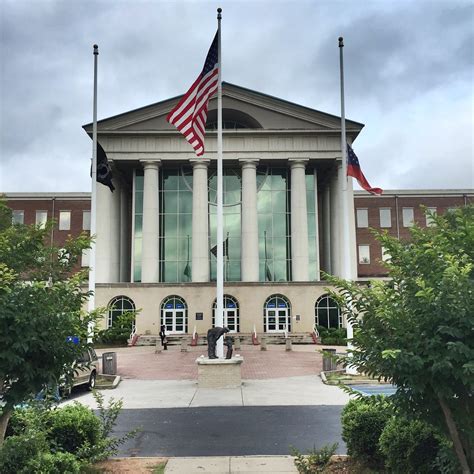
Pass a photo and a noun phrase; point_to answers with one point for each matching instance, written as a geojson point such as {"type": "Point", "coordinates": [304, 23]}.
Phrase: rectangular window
{"type": "Point", "coordinates": [41, 218]}
{"type": "Point", "coordinates": [362, 218]}
{"type": "Point", "coordinates": [385, 217]}
{"type": "Point", "coordinates": [408, 217]}
{"type": "Point", "coordinates": [385, 255]}
{"type": "Point", "coordinates": [86, 220]}
{"type": "Point", "coordinates": [429, 219]}
{"type": "Point", "coordinates": [64, 220]}
{"type": "Point", "coordinates": [85, 258]}
{"type": "Point", "coordinates": [18, 217]}
{"type": "Point", "coordinates": [364, 254]}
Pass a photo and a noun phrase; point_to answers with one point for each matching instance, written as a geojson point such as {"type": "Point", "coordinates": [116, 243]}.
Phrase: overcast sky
{"type": "Point", "coordinates": [408, 76]}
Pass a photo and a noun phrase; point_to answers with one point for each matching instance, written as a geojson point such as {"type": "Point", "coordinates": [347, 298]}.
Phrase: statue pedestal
{"type": "Point", "coordinates": [219, 373]}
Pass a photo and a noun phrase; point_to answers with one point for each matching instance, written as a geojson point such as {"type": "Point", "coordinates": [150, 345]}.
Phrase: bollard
{"type": "Point", "coordinates": [237, 343]}
{"type": "Point", "coordinates": [184, 345]}
{"type": "Point", "coordinates": [263, 344]}
{"type": "Point", "coordinates": [109, 363]}
{"type": "Point", "coordinates": [288, 344]}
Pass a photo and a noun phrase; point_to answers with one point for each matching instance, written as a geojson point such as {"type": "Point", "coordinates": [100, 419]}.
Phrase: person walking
{"type": "Point", "coordinates": [164, 341]}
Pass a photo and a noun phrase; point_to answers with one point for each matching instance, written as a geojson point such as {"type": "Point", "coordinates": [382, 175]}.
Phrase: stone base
{"type": "Point", "coordinates": [219, 373]}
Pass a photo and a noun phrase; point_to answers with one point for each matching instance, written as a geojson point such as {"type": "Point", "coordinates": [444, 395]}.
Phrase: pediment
{"type": "Point", "coordinates": [264, 111]}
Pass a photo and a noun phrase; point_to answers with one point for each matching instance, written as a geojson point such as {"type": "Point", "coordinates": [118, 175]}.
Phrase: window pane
{"type": "Point", "coordinates": [86, 220]}
{"type": "Point", "coordinates": [41, 218]}
{"type": "Point", "coordinates": [362, 218]}
{"type": "Point", "coordinates": [385, 217]}
{"type": "Point", "coordinates": [408, 217]}
{"type": "Point", "coordinates": [429, 219]}
{"type": "Point", "coordinates": [64, 220]}
{"type": "Point", "coordinates": [18, 217]}
{"type": "Point", "coordinates": [364, 254]}
{"type": "Point", "coordinates": [85, 258]}
{"type": "Point", "coordinates": [385, 255]}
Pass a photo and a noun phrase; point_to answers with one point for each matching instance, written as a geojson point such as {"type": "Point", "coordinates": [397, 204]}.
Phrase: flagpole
{"type": "Point", "coordinates": [219, 317]}
{"type": "Point", "coordinates": [346, 253]}
{"type": "Point", "coordinates": [93, 226]}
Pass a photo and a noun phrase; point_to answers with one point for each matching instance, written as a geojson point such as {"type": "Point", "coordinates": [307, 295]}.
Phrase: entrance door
{"type": "Point", "coordinates": [174, 320]}
{"type": "Point", "coordinates": [230, 319]}
{"type": "Point", "coordinates": [277, 320]}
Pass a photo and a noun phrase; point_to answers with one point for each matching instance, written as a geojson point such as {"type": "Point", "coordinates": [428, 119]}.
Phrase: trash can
{"type": "Point", "coordinates": [329, 363]}
{"type": "Point", "coordinates": [109, 363]}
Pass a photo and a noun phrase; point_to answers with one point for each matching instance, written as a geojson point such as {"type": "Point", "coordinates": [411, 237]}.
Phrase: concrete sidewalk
{"type": "Point", "coordinates": [233, 464]}
{"type": "Point", "coordinates": [285, 391]}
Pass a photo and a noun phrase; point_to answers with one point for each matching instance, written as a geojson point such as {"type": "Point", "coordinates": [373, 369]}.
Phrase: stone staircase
{"type": "Point", "coordinates": [245, 338]}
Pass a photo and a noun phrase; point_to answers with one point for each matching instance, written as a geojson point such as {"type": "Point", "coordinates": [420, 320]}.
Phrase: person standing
{"type": "Point", "coordinates": [164, 341]}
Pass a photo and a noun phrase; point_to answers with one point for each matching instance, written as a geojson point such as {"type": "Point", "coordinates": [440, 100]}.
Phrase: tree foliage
{"type": "Point", "coordinates": [41, 296]}
{"type": "Point", "coordinates": [417, 330]}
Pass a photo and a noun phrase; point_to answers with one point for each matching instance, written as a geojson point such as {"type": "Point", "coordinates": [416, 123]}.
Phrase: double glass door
{"type": "Point", "coordinates": [174, 321]}
{"type": "Point", "coordinates": [276, 319]}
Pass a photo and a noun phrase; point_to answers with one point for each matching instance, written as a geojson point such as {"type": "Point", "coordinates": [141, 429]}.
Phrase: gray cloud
{"type": "Point", "coordinates": [409, 76]}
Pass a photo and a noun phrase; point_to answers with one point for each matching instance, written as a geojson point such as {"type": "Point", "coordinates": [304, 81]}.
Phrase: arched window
{"type": "Point", "coordinates": [174, 315]}
{"type": "Point", "coordinates": [117, 306]}
{"type": "Point", "coordinates": [327, 312]}
{"type": "Point", "coordinates": [277, 314]}
{"type": "Point", "coordinates": [231, 313]}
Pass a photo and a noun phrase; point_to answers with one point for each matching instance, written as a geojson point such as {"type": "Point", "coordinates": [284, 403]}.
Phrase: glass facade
{"type": "Point", "coordinates": [231, 181]}
{"type": "Point", "coordinates": [273, 208]}
{"type": "Point", "coordinates": [176, 207]}
{"type": "Point", "coordinates": [274, 224]}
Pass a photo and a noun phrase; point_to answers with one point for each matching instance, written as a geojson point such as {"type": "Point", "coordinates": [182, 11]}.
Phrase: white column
{"type": "Point", "coordinates": [299, 222]}
{"type": "Point", "coordinates": [108, 238]}
{"type": "Point", "coordinates": [335, 199]}
{"type": "Point", "coordinates": [200, 237]}
{"type": "Point", "coordinates": [352, 231]}
{"type": "Point", "coordinates": [327, 228]}
{"type": "Point", "coordinates": [316, 223]}
{"type": "Point", "coordinates": [124, 234]}
{"type": "Point", "coordinates": [150, 242]}
{"type": "Point", "coordinates": [249, 220]}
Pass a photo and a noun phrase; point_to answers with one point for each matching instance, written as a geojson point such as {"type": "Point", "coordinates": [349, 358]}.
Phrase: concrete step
{"type": "Point", "coordinates": [245, 338]}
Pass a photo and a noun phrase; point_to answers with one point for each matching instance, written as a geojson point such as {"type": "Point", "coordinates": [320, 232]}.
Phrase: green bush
{"type": "Point", "coordinates": [363, 421]}
{"type": "Point", "coordinates": [74, 428]}
{"type": "Point", "coordinates": [119, 332]}
{"type": "Point", "coordinates": [55, 463]}
{"type": "Point", "coordinates": [17, 451]}
{"type": "Point", "coordinates": [315, 461]}
{"type": "Point", "coordinates": [334, 336]}
{"type": "Point", "coordinates": [410, 446]}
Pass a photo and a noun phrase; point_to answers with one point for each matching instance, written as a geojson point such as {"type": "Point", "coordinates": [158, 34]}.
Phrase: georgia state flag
{"type": "Point", "coordinates": [353, 169]}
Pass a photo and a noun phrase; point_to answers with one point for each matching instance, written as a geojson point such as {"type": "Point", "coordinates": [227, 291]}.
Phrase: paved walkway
{"type": "Point", "coordinates": [235, 464]}
{"type": "Point", "coordinates": [142, 363]}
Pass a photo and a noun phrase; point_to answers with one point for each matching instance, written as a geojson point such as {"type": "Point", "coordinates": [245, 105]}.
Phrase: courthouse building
{"type": "Point", "coordinates": [282, 217]}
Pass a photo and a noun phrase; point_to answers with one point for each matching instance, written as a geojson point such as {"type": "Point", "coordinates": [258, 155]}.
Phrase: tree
{"type": "Point", "coordinates": [41, 299]}
{"type": "Point", "coordinates": [417, 330]}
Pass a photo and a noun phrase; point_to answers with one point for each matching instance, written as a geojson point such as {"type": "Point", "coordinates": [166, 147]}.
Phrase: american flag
{"type": "Point", "coordinates": [190, 115]}
{"type": "Point", "coordinates": [354, 170]}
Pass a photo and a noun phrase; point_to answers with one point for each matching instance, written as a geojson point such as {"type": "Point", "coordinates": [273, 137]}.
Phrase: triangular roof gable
{"type": "Point", "coordinates": [271, 112]}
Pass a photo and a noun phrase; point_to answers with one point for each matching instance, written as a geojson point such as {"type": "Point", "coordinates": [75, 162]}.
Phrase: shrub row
{"type": "Point", "coordinates": [336, 336]}
{"type": "Point", "coordinates": [59, 440]}
{"type": "Point", "coordinates": [377, 436]}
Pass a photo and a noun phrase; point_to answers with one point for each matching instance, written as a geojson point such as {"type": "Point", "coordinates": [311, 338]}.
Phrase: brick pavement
{"type": "Point", "coordinates": [143, 364]}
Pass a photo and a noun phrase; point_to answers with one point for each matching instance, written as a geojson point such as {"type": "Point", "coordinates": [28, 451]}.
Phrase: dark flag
{"type": "Point", "coordinates": [187, 270]}
{"type": "Point", "coordinates": [268, 273]}
{"type": "Point", "coordinates": [104, 171]}
{"type": "Point", "coordinates": [225, 249]}
{"type": "Point", "coordinates": [354, 170]}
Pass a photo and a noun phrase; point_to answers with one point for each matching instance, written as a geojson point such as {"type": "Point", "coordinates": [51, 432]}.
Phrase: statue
{"type": "Point", "coordinates": [213, 335]}
{"type": "Point", "coordinates": [228, 341]}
